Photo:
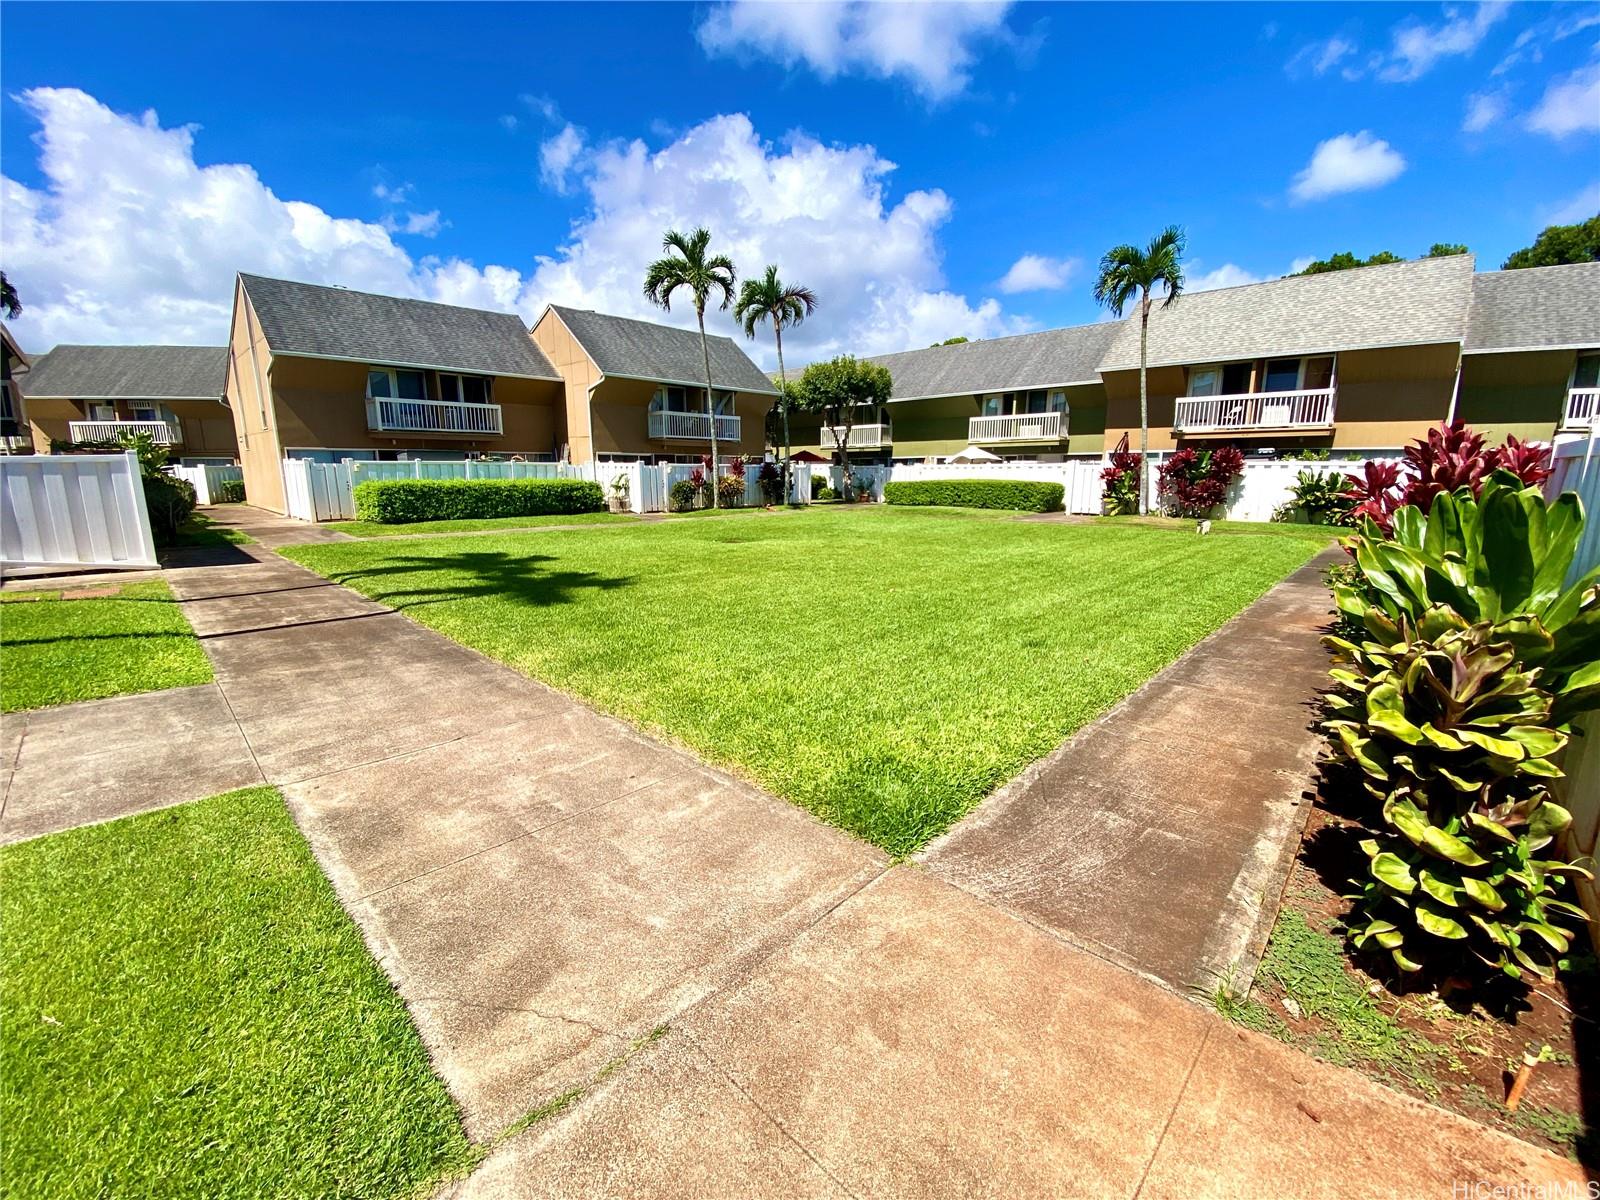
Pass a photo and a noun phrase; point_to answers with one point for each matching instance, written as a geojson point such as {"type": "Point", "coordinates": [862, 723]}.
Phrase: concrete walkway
{"type": "Point", "coordinates": [1160, 837]}
{"type": "Point", "coordinates": [548, 889]}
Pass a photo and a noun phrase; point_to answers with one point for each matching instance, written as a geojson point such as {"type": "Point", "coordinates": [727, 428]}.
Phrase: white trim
{"type": "Point", "coordinates": [1023, 387]}
{"type": "Point", "coordinates": [686, 383]}
{"type": "Point", "coordinates": [1248, 356]}
{"type": "Point", "coordinates": [125, 396]}
{"type": "Point", "coordinates": [407, 366]}
{"type": "Point", "coordinates": [1578, 346]}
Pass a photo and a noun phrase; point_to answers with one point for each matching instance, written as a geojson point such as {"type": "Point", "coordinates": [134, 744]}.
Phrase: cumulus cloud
{"type": "Point", "coordinates": [1350, 162]}
{"type": "Point", "coordinates": [1036, 273]}
{"type": "Point", "coordinates": [1419, 47]}
{"type": "Point", "coordinates": [1483, 110]}
{"type": "Point", "coordinates": [1318, 58]}
{"type": "Point", "coordinates": [930, 46]}
{"type": "Point", "coordinates": [129, 239]}
{"type": "Point", "coordinates": [1225, 276]}
{"type": "Point", "coordinates": [1571, 104]}
{"type": "Point", "coordinates": [558, 155]}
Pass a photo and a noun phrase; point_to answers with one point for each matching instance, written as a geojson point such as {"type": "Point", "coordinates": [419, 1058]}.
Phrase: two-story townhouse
{"type": "Point", "coordinates": [327, 373]}
{"type": "Point", "coordinates": [636, 391]}
{"type": "Point", "coordinates": [1531, 358]}
{"type": "Point", "coordinates": [173, 394]}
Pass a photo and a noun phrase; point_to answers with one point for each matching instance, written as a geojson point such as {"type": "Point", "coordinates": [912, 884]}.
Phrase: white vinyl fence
{"type": "Point", "coordinates": [207, 479]}
{"type": "Point", "coordinates": [1575, 467]}
{"type": "Point", "coordinates": [1079, 478]}
{"type": "Point", "coordinates": [73, 510]}
{"type": "Point", "coordinates": [325, 491]}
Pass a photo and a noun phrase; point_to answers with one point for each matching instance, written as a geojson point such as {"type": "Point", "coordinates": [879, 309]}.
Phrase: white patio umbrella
{"type": "Point", "coordinates": [973, 454]}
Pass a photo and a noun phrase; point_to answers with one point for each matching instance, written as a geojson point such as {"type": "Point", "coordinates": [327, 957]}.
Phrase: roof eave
{"type": "Point", "coordinates": [696, 383]}
{"type": "Point", "coordinates": [1591, 345]}
{"type": "Point", "coordinates": [409, 366]}
{"type": "Point", "coordinates": [1005, 387]}
{"type": "Point", "coordinates": [1293, 353]}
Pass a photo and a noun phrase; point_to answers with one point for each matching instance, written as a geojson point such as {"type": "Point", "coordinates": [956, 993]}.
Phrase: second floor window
{"type": "Point", "coordinates": [1271, 375]}
{"type": "Point", "coordinates": [679, 399]}
{"type": "Point", "coordinates": [389, 383]}
{"type": "Point", "coordinates": [464, 389]}
{"type": "Point", "coordinates": [1008, 404]}
{"type": "Point", "coordinates": [1586, 374]}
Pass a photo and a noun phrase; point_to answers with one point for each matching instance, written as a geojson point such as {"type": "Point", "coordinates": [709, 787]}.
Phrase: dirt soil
{"type": "Point", "coordinates": [1433, 1041]}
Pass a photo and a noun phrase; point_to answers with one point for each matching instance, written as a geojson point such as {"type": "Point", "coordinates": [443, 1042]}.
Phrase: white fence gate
{"type": "Point", "coordinates": [73, 510]}
{"type": "Point", "coordinates": [207, 479]}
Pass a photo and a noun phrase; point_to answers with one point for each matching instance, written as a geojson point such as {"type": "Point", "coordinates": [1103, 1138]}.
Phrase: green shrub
{"type": "Point", "coordinates": [402, 501]}
{"type": "Point", "coordinates": [1024, 495]}
{"type": "Point", "coordinates": [825, 493]}
{"type": "Point", "coordinates": [169, 500]}
{"type": "Point", "coordinates": [684, 495]}
{"type": "Point", "coordinates": [1456, 692]}
{"type": "Point", "coordinates": [730, 491]}
{"type": "Point", "coordinates": [228, 492]}
{"type": "Point", "coordinates": [1318, 498]}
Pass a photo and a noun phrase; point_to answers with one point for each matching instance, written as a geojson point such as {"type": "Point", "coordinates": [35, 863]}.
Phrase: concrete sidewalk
{"type": "Point", "coordinates": [1160, 836]}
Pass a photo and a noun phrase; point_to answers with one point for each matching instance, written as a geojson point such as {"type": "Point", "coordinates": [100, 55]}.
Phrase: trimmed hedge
{"type": "Point", "coordinates": [1024, 495]}
{"type": "Point", "coordinates": [402, 501]}
{"type": "Point", "coordinates": [169, 501]}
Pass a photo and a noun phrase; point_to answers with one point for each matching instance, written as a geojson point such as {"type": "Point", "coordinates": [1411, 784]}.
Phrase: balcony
{"type": "Point", "coordinates": [432, 416]}
{"type": "Point", "coordinates": [1312, 409]}
{"type": "Point", "coordinates": [163, 433]}
{"type": "Point", "coordinates": [669, 426]}
{"type": "Point", "coordinates": [1023, 427]}
{"type": "Point", "coordinates": [862, 437]}
{"type": "Point", "coordinates": [1583, 409]}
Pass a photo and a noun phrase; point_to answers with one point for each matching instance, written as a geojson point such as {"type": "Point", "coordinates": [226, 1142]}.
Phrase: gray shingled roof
{"type": "Point", "coordinates": [1536, 306]}
{"type": "Point", "coordinates": [127, 373]}
{"type": "Point", "coordinates": [1401, 304]}
{"type": "Point", "coordinates": [645, 350]}
{"type": "Point", "coordinates": [329, 322]}
{"type": "Point", "coordinates": [1028, 360]}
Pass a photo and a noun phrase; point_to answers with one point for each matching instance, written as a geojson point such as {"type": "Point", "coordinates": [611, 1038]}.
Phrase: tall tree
{"type": "Point", "coordinates": [9, 300]}
{"type": "Point", "coordinates": [770, 299]}
{"type": "Point", "coordinates": [1559, 244]}
{"type": "Point", "coordinates": [1344, 261]}
{"type": "Point", "coordinates": [835, 389]}
{"type": "Point", "coordinates": [1446, 250]}
{"type": "Point", "coordinates": [1126, 273]}
{"type": "Point", "coordinates": [688, 265]}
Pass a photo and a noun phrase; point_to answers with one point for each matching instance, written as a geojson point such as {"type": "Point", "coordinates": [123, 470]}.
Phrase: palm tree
{"type": "Point", "coordinates": [769, 299]}
{"type": "Point", "coordinates": [690, 267]}
{"type": "Point", "coordinates": [1126, 272]}
{"type": "Point", "coordinates": [9, 300]}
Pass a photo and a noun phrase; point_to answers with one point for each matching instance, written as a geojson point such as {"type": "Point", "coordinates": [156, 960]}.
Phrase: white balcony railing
{"type": "Point", "coordinates": [1023, 427]}
{"type": "Point", "coordinates": [432, 416]}
{"type": "Point", "coordinates": [862, 437]}
{"type": "Point", "coordinates": [1583, 409]}
{"type": "Point", "coordinates": [163, 433]}
{"type": "Point", "coordinates": [1312, 409]}
{"type": "Point", "coordinates": [691, 426]}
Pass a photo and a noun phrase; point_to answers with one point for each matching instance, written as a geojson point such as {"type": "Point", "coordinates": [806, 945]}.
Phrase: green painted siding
{"type": "Point", "coordinates": [1520, 394]}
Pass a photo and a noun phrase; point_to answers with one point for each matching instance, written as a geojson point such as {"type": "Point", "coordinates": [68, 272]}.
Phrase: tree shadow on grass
{"type": "Point", "coordinates": [127, 636]}
{"type": "Point", "coordinates": [520, 579]}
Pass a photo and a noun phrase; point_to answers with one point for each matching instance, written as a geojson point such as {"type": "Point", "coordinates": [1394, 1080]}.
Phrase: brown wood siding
{"type": "Point", "coordinates": [579, 373]}
{"type": "Point", "coordinates": [1521, 394]}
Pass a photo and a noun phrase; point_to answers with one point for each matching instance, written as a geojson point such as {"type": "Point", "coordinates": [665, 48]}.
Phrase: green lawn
{"type": "Point", "coordinates": [884, 668]}
{"type": "Point", "coordinates": [373, 529]}
{"type": "Point", "coordinates": [53, 651]}
{"type": "Point", "coordinates": [189, 1013]}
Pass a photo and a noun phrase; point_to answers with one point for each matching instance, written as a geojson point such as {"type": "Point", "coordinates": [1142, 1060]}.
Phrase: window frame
{"type": "Point", "coordinates": [394, 374]}
{"type": "Point", "coordinates": [458, 382]}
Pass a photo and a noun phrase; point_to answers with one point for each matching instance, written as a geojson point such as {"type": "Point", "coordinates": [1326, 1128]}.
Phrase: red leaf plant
{"type": "Point", "coordinates": [1376, 493]}
{"type": "Point", "coordinates": [1528, 461]}
{"type": "Point", "coordinates": [1195, 482]}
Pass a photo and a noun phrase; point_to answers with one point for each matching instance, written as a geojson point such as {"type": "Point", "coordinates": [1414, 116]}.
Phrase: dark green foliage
{"type": "Point", "coordinates": [1319, 498]}
{"type": "Point", "coordinates": [1024, 495]}
{"type": "Point", "coordinates": [230, 492]}
{"type": "Point", "coordinates": [402, 501]}
{"type": "Point", "coordinates": [685, 495]}
{"type": "Point", "coordinates": [170, 501]}
{"type": "Point", "coordinates": [1559, 244]}
{"type": "Point", "coordinates": [825, 493]}
{"type": "Point", "coordinates": [1344, 261]}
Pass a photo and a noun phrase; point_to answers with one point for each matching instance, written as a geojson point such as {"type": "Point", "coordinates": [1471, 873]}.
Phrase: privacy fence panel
{"type": "Point", "coordinates": [67, 510]}
{"type": "Point", "coordinates": [208, 479]}
{"type": "Point", "coordinates": [1079, 478]}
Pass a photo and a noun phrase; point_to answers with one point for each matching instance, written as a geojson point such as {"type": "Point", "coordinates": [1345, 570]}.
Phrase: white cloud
{"type": "Point", "coordinates": [1350, 162]}
{"type": "Point", "coordinates": [393, 195]}
{"type": "Point", "coordinates": [930, 46]}
{"type": "Point", "coordinates": [419, 224]}
{"type": "Point", "coordinates": [509, 122]}
{"type": "Point", "coordinates": [1579, 208]}
{"type": "Point", "coordinates": [1531, 42]}
{"type": "Point", "coordinates": [1225, 276]}
{"type": "Point", "coordinates": [129, 239]}
{"type": "Point", "coordinates": [1301, 263]}
{"type": "Point", "coordinates": [1320, 57]}
{"type": "Point", "coordinates": [1036, 273]}
{"type": "Point", "coordinates": [558, 156]}
{"type": "Point", "coordinates": [1483, 110]}
{"type": "Point", "coordinates": [1418, 47]}
{"type": "Point", "coordinates": [1571, 104]}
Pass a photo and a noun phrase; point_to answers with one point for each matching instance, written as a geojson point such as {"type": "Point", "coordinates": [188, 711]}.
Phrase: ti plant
{"type": "Point", "coordinates": [1454, 701]}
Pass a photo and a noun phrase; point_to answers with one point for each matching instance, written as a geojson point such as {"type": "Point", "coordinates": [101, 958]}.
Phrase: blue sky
{"type": "Point", "coordinates": [930, 170]}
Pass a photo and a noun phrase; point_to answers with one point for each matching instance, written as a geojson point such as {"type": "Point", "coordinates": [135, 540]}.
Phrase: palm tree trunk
{"type": "Point", "coordinates": [1144, 408]}
{"type": "Point", "coordinates": [783, 405]}
{"type": "Point", "coordinates": [711, 403]}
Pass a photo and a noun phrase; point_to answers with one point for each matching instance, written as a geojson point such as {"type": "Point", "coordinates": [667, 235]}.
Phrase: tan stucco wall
{"type": "Point", "coordinates": [49, 419]}
{"type": "Point", "coordinates": [579, 373]}
{"type": "Point", "coordinates": [248, 392]}
{"type": "Point", "coordinates": [206, 426]}
{"type": "Point", "coordinates": [1385, 399]}
{"type": "Point", "coordinates": [938, 427]}
{"type": "Point", "coordinates": [1521, 394]}
{"type": "Point", "coordinates": [621, 423]}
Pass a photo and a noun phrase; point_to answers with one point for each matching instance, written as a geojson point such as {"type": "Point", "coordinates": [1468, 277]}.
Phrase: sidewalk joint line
{"type": "Point", "coordinates": [1177, 1103]}
{"type": "Point", "coordinates": [227, 633]}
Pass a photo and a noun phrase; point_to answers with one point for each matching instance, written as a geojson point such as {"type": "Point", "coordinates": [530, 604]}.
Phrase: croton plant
{"type": "Point", "coordinates": [1475, 654]}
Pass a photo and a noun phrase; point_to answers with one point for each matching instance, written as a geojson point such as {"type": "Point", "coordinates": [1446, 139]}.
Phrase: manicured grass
{"type": "Point", "coordinates": [201, 530]}
{"type": "Point", "coordinates": [886, 669]}
{"type": "Point", "coordinates": [189, 1012]}
{"type": "Point", "coordinates": [373, 529]}
{"type": "Point", "coordinates": [53, 651]}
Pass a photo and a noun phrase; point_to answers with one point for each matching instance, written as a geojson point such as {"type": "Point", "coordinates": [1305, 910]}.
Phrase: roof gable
{"type": "Point", "coordinates": [127, 373]}
{"type": "Point", "coordinates": [1397, 304]}
{"type": "Point", "coordinates": [645, 350]}
{"type": "Point", "coordinates": [1536, 307]}
{"type": "Point", "coordinates": [1050, 358]}
{"type": "Point", "coordinates": [315, 321]}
